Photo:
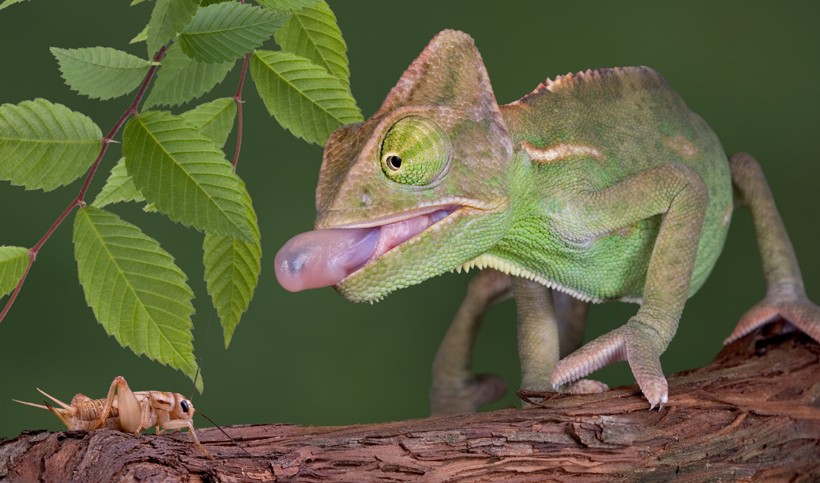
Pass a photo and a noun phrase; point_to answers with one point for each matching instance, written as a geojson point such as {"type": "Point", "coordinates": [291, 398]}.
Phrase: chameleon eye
{"type": "Point", "coordinates": [185, 406]}
{"type": "Point", "coordinates": [415, 151]}
{"type": "Point", "coordinates": [393, 162]}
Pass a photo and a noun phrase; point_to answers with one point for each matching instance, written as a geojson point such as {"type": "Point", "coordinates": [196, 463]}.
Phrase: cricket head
{"type": "Point", "coordinates": [181, 408]}
{"type": "Point", "coordinates": [416, 190]}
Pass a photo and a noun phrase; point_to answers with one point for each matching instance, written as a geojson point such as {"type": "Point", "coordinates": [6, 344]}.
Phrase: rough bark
{"type": "Point", "coordinates": [753, 414]}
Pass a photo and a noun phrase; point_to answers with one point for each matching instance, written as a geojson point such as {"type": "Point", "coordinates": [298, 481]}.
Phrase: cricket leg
{"type": "Point", "coordinates": [455, 388]}
{"type": "Point", "coordinates": [172, 424]}
{"type": "Point", "coordinates": [680, 195]}
{"type": "Point", "coordinates": [129, 409]}
{"type": "Point", "coordinates": [785, 294]}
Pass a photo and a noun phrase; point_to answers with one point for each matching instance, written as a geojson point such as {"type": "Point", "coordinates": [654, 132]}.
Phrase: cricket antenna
{"type": "Point", "coordinates": [200, 361]}
{"type": "Point", "coordinates": [225, 433]}
{"type": "Point", "coordinates": [193, 391]}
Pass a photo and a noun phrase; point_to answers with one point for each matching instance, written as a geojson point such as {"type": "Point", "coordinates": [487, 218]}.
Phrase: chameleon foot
{"type": "Point", "coordinates": [637, 343]}
{"type": "Point", "coordinates": [468, 396]}
{"type": "Point", "coordinates": [799, 311]}
{"type": "Point", "coordinates": [585, 386]}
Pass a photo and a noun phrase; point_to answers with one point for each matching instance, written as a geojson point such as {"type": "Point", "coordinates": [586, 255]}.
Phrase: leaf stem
{"type": "Point", "coordinates": [79, 200]}
{"type": "Point", "coordinates": [238, 98]}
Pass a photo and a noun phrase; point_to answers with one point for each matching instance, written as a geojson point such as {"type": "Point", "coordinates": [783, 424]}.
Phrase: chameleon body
{"type": "Point", "coordinates": [596, 186]}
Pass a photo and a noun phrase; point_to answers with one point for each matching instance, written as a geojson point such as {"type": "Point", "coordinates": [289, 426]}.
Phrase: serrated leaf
{"type": "Point", "coordinates": [101, 72]}
{"type": "Point", "coordinates": [288, 5]}
{"type": "Point", "coordinates": [312, 33]}
{"type": "Point", "coordinates": [118, 187]}
{"type": "Point", "coordinates": [232, 270]}
{"type": "Point", "coordinates": [185, 175]}
{"type": "Point", "coordinates": [181, 78]}
{"type": "Point", "coordinates": [136, 291]}
{"type": "Point", "coordinates": [9, 3]}
{"type": "Point", "coordinates": [45, 145]}
{"type": "Point", "coordinates": [213, 119]}
{"type": "Point", "coordinates": [303, 97]}
{"type": "Point", "coordinates": [140, 37]}
{"type": "Point", "coordinates": [227, 31]}
{"type": "Point", "coordinates": [13, 262]}
{"type": "Point", "coordinates": [168, 18]}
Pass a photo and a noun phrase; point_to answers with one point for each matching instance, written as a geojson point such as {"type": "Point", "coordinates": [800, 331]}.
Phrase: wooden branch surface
{"type": "Point", "coordinates": [753, 414]}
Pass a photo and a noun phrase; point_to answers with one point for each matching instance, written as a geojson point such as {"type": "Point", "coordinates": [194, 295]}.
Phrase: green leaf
{"type": "Point", "coordinates": [232, 270]}
{"type": "Point", "coordinates": [181, 78]}
{"type": "Point", "coordinates": [45, 145]}
{"type": "Point", "coordinates": [140, 37]}
{"type": "Point", "coordinates": [118, 187]}
{"type": "Point", "coordinates": [136, 291]}
{"type": "Point", "coordinates": [303, 97]}
{"type": "Point", "coordinates": [135, 2]}
{"type": "Point", "coordinates": [101, 72]}
{"type": "Point", "coordinates": [13, 262]}
{"type": "Point", "coordinates": [227, 31]}
{"type": "Point", "coordinates": [9, 3]}
{"type": "Point", "coordinates": [288, 5]}
{"type": "Point", "coordinates": [185, 175]}
{"type": "Point", "coordinates": [213, 119]}
{"type": "Point", "coordinates": [168, 18]}
{"type": "Point", "coordinates": [312, 33]}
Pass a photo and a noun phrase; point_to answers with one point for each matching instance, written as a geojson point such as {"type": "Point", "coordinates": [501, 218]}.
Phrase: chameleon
{"type": "Point", "coordinates": [596, 186]}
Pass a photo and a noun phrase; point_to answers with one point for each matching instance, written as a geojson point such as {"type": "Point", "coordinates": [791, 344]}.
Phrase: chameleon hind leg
{"type": "Point", "coordinates": [785, 294]}
{"type": "Point", "coordinates": [455, 389]}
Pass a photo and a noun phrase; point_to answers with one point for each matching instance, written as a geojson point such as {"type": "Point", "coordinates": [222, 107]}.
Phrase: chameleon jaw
{"type": "Point", "coordinates": [329, 256]}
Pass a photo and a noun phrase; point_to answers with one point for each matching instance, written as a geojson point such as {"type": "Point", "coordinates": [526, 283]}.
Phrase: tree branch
{"type": "Point", "coordinates": [754, 413]}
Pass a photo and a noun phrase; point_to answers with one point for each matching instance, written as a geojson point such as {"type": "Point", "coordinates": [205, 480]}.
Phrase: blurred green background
{"type": "Point", "coordinates": [314, 358]}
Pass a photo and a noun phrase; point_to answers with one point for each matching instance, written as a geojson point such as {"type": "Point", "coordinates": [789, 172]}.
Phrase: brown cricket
{"type": "Point", "coordinates": [126, 411]}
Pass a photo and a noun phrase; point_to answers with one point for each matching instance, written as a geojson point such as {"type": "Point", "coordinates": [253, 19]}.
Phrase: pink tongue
{"type": "Point", "coordinates": [324, 257]}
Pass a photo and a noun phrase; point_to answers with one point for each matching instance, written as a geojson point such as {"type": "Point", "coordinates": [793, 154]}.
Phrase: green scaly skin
{"type": "Point", "coordinates": [602, 185]}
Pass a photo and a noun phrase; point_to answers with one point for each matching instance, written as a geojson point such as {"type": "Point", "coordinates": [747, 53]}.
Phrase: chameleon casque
{"type": "Point", "coordinates": [596, 186]}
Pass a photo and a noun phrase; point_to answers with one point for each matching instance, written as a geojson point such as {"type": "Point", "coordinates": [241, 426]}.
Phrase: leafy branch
{"type": "Point", "coordinates": [173, 162]}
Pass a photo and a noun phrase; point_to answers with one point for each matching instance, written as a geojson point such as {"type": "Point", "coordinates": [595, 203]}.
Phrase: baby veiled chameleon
{"type": "Point", "coordinates": [596, 186]}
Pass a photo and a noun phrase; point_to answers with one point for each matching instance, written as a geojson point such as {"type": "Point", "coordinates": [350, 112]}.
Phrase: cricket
{"type": "Point", "coordinates": [125, 410]}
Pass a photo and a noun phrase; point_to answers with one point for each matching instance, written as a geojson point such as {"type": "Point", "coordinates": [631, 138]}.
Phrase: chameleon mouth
{"type": "Point", "coordinates": [325, 257]}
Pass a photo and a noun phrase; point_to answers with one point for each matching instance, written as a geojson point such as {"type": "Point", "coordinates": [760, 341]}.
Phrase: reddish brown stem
{"type": "Point", "coordinates": [79, 200]}
{"type": "Point", "coordinates": [238, 98]}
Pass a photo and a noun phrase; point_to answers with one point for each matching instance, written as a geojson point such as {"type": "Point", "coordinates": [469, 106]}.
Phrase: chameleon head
{"type": "Point", "coordinates": [397, 191]}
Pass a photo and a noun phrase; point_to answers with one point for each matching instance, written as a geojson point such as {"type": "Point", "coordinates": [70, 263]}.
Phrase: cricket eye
{"type": "Point", "coordinates": [415, 151]}
{"type": "Point", "coordinates": [185, 406]}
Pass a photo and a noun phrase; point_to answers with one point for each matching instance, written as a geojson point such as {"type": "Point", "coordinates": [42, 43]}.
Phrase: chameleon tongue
{"type": "Point", "coordinates": [324, 257]}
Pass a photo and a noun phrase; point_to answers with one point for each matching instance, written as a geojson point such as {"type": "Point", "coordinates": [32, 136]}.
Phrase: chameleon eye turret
{"type": "Point", "coordinates": [415, 151]}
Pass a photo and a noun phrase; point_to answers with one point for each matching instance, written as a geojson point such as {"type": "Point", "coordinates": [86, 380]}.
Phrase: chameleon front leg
{"type": "Point", "coordinates": [550, 324]}
{"type": "Point", "coordinates": [571, 315]}
{"type": "Point", "coordinates": [785, 294]}
{"type": "Point", "coordinates": [455, 389]}
{"type": "Point", "coordinates": [680, 195]}
{"type": "Point", "coordinates": [538, 339]}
